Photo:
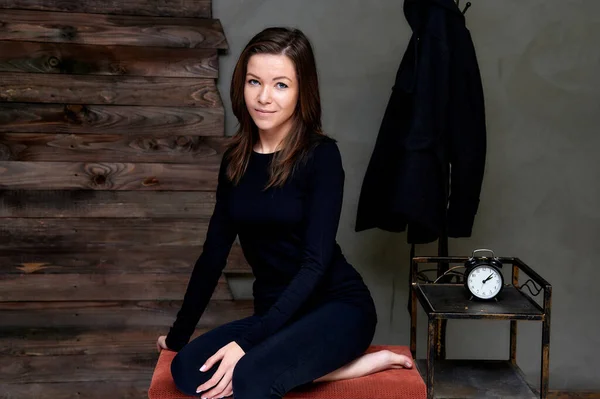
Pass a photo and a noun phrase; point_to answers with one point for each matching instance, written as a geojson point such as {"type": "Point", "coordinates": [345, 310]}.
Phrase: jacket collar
{"type": "Point", "coordinates": [416, 11]}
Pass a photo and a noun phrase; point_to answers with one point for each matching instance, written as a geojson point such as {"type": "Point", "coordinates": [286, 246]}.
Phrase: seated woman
{"type": "Point", "coordinates": [280, 190]}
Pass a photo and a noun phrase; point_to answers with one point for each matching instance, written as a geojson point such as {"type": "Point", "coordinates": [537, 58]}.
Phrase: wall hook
{"type": "Point", "coordinates": [466, 7]}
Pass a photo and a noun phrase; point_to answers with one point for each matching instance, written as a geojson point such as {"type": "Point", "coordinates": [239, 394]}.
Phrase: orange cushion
{"type": "Point", "coordinates": [388, 384]}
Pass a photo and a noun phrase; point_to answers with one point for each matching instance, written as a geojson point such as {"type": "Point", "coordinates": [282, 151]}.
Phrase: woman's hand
{"type": "Point", "coordinates": [161, 343]}
{"type": "Point", "coordinates": [229, 355]}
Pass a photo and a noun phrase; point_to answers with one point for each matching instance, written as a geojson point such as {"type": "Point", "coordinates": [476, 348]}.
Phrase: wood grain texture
{"type": "Point", "coordinates": [106, 204]}
{"type": "Point", "coordinates": [114, 314]}
{"type": "Point", "coordinates": [99, 287]}
{"type": "Point", "coordinates": [114, 119]}
{"type": "Point", "coordinates": [76, 390]}
{"type": "Point", "coordinates": [18, 233]}
{"type": "Point", "coordinates": [171, 259]}
{"type": "Point", "coordinates": [140, 102]}
{"type": "Point", "coordinates": [109, 90]}
{"type": "Point", "coordinates": [162, 8]}
{"type": "Point", "coordinates": [107, 176]}
{"type": "Point", "coordinates": [68, 27]}
{"type": "Point", "coordinates": [78, 368]}
{"type": "Point", "coordinates": [80, 59]}
{"type": "Point", "coordinates": [573, 395]}
{"type": "Point", "coordinates": [45, 147]}
{"type": "Point", "coordinates": [80, 341]}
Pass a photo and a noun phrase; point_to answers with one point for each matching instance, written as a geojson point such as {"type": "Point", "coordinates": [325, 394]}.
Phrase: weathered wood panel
{"type": "Point", "coordinates": [99, 287]}
{"type": "Point", "coordinates": [111, 90]}
{"type": "Point", "coordinates": [114, 367]}
{"type": "Point", "coordinates": [110, 148]}
{"type": "Point", "coordinates": [107, 176]}
{"type": "Point", "coordinates": [114, 314]}
{"type": "Point", "coordinates": [79, 59]}
{"type": "Point", "coordinates": [171, 259]}
{"type": "Point", "coordinates": [76, 390]}
{"type": "Point", "coordinates": [20, 234]}
{"type": "Point", "coordinates": [114, 119]}
{"type": "Point", "coordinates": [106, 204]}
{"type": "Point", "coordinates": [113, 103]}
{"type": "Point", "coordinates": [573, 395]}
{"type": "Point", "coordinates": [162, 8]}
{"type": "Point", "coordinates": [80, 341]}
{"type": "Point", "coordinates": [63, 27]}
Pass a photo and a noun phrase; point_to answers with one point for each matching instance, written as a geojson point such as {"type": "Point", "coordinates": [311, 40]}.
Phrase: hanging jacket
{"type": "Point", "coordinates": [426, 169]}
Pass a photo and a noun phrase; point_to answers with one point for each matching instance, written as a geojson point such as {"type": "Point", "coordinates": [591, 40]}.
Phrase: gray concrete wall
{"type": "Point", "coordinates": [540, 65]}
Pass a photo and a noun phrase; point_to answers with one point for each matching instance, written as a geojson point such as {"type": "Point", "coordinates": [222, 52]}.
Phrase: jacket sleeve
{"type": "Point", "coordinates": [207, 269]}
{"type": "Point", "coordinates": [467, 143]}
{"type": "Point", "coordinates": [323, 208]}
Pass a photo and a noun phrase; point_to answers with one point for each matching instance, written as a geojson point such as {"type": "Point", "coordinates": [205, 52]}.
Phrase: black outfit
{"type": "Point", "coordinates": [433, 129]}
{"type": "Point", "coordinates": [313, 312]}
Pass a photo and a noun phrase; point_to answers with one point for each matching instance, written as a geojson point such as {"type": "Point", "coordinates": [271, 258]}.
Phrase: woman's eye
{"type": "Point", "coordinates": [253, 82]}
{"type": "Point", "coordinates": [281, 85]}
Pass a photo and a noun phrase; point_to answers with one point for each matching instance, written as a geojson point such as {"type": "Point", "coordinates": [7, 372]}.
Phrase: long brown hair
{"type": "Point", "coordinates": [306, 120]}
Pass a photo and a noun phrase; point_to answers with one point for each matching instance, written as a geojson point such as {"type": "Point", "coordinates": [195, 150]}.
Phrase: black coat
{"type": "Point", "coordinates": [433, 129]}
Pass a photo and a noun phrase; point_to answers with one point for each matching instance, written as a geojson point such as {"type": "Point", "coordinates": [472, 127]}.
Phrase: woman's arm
{"type": "Point", "coordinates": [324, 204]}
{"type": "Point", "coordinates": [208, 268]}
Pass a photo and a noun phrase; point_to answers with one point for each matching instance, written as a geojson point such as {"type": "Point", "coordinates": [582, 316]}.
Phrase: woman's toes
{"type": "Point", "coordinates": [406, 362]}
{"type": "Point", "coordinates": [401, 360]}
{"type": "Point", "coordinates": [386, 358]}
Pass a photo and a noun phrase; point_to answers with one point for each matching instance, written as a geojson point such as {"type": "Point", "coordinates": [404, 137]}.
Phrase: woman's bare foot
{"type": "Point", "coordinates": [368, 364]}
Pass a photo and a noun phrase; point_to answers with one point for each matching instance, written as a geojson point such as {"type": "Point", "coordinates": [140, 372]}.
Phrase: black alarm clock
{"type": "Point", "coordinates": [483, 276]}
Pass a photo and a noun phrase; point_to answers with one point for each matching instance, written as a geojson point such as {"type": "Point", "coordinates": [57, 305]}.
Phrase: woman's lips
{"type": "Point", "coordinates": [263, 112]}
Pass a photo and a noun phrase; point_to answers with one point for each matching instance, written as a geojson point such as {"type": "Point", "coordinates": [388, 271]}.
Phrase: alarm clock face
{"type": "Point", "coordinates": [484, 282]}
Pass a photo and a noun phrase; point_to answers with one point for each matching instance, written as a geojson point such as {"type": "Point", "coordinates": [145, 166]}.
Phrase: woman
{"type": "Point", "coordinates": [280, 190]}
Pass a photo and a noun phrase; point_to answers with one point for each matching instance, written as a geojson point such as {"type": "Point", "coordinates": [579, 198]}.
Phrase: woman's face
{"type": "Point", "coordinates": [271, 92]}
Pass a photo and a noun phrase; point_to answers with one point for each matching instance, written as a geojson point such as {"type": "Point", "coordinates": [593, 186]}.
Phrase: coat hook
{"type": "Point", "coordinates": [466, 7]}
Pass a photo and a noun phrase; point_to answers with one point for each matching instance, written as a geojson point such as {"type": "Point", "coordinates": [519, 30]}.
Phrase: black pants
{"type": "Point", "coordinates": [311, 346]}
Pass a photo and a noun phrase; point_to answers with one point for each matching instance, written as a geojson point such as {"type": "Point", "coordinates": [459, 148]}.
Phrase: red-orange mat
{"type": "Point", "coordinates": [388, 384]}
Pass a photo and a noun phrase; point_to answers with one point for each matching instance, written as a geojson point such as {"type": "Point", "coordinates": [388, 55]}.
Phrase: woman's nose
{"type": "Point", "coordinates": [264, 97]}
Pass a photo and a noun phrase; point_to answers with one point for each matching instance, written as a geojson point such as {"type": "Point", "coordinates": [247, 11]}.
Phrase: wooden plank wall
{"type": "Point", "coordinates": [111, 134]}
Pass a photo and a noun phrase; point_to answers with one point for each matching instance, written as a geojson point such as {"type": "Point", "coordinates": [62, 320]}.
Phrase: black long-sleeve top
{"type": "Point", "coordinates": [288, 236]}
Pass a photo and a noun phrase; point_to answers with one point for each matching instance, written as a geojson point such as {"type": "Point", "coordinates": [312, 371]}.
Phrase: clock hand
{"type": "Point", "coordinates": [488, 278]}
